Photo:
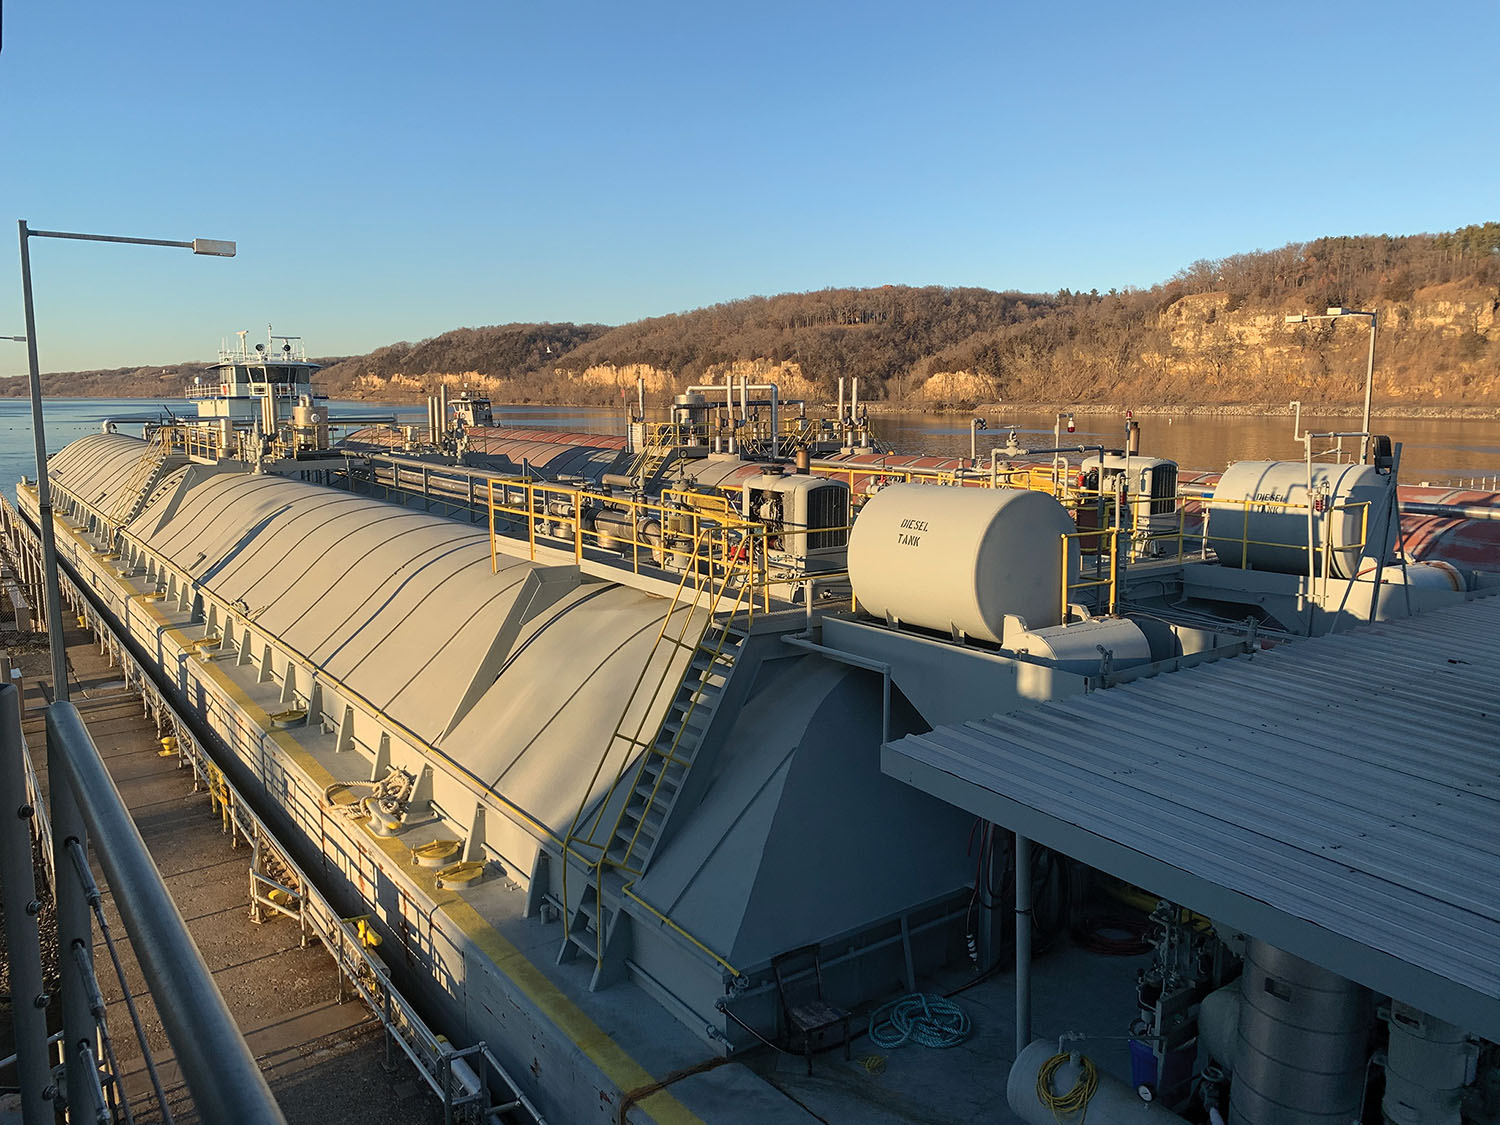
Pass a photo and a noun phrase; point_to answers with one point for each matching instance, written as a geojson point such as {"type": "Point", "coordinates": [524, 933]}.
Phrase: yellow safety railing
{"type": "Point", "coordinates": [1108, 582]}
{"type": "Point", "coordinates": [706, 607]}
{"type": "Point", "coordinates": [629, 892]}
{"type": "Point", "coordinates": [715, 607]}
{"type": "Point", "coordinates": [665, 533]}
{"type": "Point", "coordinates": [1247, 506]}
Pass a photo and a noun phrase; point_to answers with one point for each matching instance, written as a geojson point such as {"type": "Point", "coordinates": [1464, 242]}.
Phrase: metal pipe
{"type": "Point", "coordinates": [74, 922]}
{"type": "Point", "coordinates": [18, 882]}
{"type": "Point", "coordinates": [43, 486]}
{"type": "Point", "coordinates": [1364, 447]}
{"type": "Point", "coordinates": [1451, 511]}
{"type": "Point", "coordinates": [1023, 943]}
{"type": "Point", "coordinates": [775, 422]}
{"type": "Point", "coordinates": [841, 402]}
{"type": "Point", "coordinates": [1302, 1041]}
{"type": "Point", "coordinates": [220, 1071]}
{"type": "Point", "coordinates": [842, 657]}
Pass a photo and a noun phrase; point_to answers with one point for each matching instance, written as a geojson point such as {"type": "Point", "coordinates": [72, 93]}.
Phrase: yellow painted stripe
{"type": "Point", "coordinates": [613, 1061]}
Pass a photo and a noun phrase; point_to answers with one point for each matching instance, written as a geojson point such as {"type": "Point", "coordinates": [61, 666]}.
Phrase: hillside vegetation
{"type": "Point", "coordinates": [1214, 335]}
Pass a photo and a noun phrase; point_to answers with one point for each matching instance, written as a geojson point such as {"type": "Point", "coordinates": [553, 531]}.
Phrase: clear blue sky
{"type": "Point", "coordinates": [392, 171]}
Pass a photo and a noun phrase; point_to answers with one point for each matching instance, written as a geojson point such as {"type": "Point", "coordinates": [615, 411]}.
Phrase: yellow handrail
{"type": "Point", "coordinates": [1110, 582]}
{"type": "Point", "coordinates": [629, 892]}
{"type": "Point", "coordinates": [737, 565]}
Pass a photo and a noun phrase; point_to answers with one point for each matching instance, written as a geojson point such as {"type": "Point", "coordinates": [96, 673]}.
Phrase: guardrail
{"type": "Point", "coordinates": [1107, 583]}
{"type": "Point", "coordinates": [1249, 506]}
{"type": "Point", "coordinates": [221, 1074]}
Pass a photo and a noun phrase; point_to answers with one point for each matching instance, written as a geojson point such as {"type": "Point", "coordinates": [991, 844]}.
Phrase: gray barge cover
{"type": "Point", "coordinates": [1338, 797]}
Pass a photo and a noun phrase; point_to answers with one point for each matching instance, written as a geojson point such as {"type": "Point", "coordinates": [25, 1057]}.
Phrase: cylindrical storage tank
{"type": "Point", "coordinates": [1303, 1043]}
{"type": "Point", "coordinates": [1219, 1023]}
{"type": "Point", "coordinates": [1076, 647]}
{"type": "Point", "coordinates": [946, 558]}
{"type": "Point", "coordinates": [1113, 1103]}
{"type": "Point", "coordinates": [1258, 516]}
{"type": "Point", "coordinates": [1427, 1066]}
{"type": "Point", "coordinates": [1434, 575]}
{"type": "Point", "coordinates": [689, 408]}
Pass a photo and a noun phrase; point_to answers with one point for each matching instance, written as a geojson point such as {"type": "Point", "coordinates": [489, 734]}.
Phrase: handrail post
{"type": "Point", "coordinates": [221, 1073]}
{"type": "Point", "coordinates": [74, 922]}
{"type": "Point", "coordinates": [494, 557]}
{"type": "Point", "coordinates": [1063, 620]}
{"type": "Point", "coordinates": [28, 1001]}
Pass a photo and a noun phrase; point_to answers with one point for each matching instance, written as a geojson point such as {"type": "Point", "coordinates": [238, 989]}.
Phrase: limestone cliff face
{"type": "Point", "coordinates": [788, 376]}
{"type": "Point", "coordinates": [1440, 347]}
{"type": "Point", "coordinates": [959, 386]}
{"type": "Point", "coordinates": [427, 383]}
{"type": "Point", "coordinates": [622, 377]}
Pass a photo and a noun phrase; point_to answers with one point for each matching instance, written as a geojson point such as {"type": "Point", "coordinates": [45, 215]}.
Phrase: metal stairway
{"type": "Point", "coordinates": [664, 765]}
{"type": "Point", "coordinates": [653, 458]}
{"type": "Point", "coordinates": [613, 853]}
{"type": "Point", "coordinates": [154, 463]}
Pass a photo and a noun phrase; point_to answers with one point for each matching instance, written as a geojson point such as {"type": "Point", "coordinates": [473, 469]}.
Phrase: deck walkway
{"type": "Point", "coordinates": [325, 1060]}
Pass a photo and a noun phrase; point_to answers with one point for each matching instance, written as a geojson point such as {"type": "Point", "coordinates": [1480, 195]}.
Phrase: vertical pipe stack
{"type": "Point", "coordinates": [1023, 943]}
{"type": "Point", "coordinates": [1427, 1066]}
{"type": "Point", "coordinates": [1303, 1043]}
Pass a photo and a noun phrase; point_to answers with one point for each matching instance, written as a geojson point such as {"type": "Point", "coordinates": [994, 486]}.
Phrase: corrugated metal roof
{"type": "Point", "coordinates": [1339, 797]}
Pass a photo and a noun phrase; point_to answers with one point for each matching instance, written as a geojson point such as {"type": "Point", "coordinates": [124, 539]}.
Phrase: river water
{"type": "Point", "coordinates": [1433, 449]}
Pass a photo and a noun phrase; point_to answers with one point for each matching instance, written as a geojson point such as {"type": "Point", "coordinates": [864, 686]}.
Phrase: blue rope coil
{"type": "Point", "coordinates": [922, 1018]}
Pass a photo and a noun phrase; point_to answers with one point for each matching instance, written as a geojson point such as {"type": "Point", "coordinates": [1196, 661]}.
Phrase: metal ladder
{"type": "Point", "coordinates": [664, 765]}
{"type": "Point", "coordinates": [144, 478]}
{"type": "Point", "coordinates": [655, 456]}
{"type": "Point", "coordinates": [651, 786]}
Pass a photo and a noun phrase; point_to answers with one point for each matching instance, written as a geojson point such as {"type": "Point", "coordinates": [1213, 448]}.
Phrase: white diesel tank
{"type": "Point", "coordinates": [1258, 516]}
{"type": "Point", "coordinates": [946, 558]}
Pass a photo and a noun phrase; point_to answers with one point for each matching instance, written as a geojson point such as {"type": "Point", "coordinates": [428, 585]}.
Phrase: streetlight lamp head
{"type": "Point", "coordinates": [213, 247]}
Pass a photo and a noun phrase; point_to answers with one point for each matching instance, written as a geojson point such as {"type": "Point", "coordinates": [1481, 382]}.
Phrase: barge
{"type": "Point", "coordinates": [618, 751]}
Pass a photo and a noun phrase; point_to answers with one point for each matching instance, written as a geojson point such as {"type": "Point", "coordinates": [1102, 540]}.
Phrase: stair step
{"type": "Point", "coordinates": [643, 834]}
{"type": "Point", "coordinates": [696, 723]}
{"type": "Point", "coordinates": [697, 711]}
{"type": "Point", "coordinates": [653, 812]}
{"type": "Point", "coordinates": [619, 856]}
{"type": "Point", "coordinates": [665, 791]}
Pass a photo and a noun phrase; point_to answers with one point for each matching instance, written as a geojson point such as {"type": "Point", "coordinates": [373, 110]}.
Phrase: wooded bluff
{"type": "Point", "coordinates": [1214, 335]}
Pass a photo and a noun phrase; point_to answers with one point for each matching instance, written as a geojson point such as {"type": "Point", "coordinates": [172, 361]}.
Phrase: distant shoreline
{"type": "Point", "coordinates": [1091, 409]}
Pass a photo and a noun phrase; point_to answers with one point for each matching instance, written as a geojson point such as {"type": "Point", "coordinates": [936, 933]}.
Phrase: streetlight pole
{"type": "Point", "coordinates": [208, 246]}
{"type": "Point", "coordinates": [1337, 313]}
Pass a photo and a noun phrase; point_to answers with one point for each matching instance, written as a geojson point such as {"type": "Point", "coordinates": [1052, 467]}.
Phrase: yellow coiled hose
{"type": "Point", "coordinates": [1073, 1101]}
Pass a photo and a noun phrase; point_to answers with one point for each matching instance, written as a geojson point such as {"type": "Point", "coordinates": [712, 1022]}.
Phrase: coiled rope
{"type": "Point", "coordinates": [921, 1018]}
{"type": "Point", "coordinates": [1073, 1101]}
